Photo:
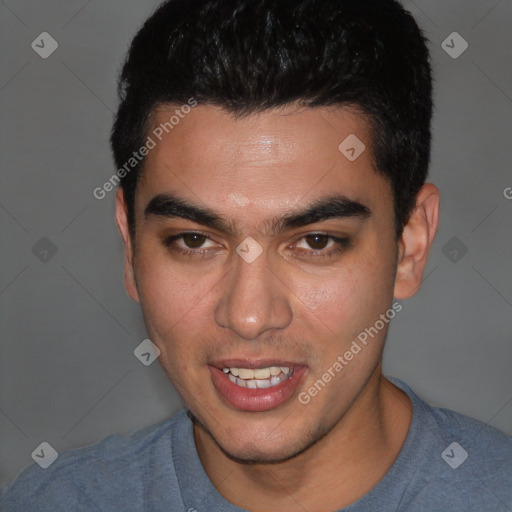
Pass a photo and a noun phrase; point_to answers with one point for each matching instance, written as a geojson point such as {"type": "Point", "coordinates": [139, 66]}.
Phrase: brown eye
{"type": "Point", "coordinates": [190, 243]}
{"type": "Point", "coordinates": [321, 245]}
{"type": "Point", "coordinates": [317, 241]}
{"type": "Point", "coordinates": [193, 240]}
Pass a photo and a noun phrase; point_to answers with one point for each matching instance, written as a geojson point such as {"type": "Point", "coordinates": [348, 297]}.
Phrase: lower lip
{"type": "Point", "coordinates": [256, 400]}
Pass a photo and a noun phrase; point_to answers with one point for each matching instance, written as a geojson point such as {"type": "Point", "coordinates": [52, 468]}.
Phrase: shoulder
{"type": "Point", "coordinates": [474, 464]}
{"type": "Point", "coordinates": [466, 463]}
{"type": "Point", "coordinates": [472, 439]}
{"type": "Point", "coordinates": [108, 475]}
{"type": "Point", "coordinates": [487, 449]}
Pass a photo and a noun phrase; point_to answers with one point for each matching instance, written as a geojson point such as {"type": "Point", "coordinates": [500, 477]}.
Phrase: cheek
{"type": "Point", "coordinates": [329, 301]}
{"type": "Point", "coordinates": [173, 302]}
{"type": "Point", "coordinates": [347, 299]}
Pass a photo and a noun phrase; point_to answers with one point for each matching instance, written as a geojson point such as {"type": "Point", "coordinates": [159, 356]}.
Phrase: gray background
{"type": "Point", "coordinates": [68, 375]}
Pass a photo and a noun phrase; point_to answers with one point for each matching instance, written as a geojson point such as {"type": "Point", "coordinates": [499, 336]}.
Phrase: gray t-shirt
{"type": "Point", "coordinates": [448, 463]}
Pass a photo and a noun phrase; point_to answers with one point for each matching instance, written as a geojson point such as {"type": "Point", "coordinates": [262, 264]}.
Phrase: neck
{"type": "Point", "coordinates": [336, 471]}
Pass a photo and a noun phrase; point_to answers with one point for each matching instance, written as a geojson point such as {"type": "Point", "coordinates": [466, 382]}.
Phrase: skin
{"type": "Point", "coordinates": [285, 305]}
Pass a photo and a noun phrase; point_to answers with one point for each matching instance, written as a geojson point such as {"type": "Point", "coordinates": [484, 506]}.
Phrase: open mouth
{"type": "Point", "coordinates": [260, 378]}
{"type": "Point", "coordinates": [263, 387]}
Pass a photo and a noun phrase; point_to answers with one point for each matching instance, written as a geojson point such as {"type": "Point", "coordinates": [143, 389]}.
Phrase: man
{"type": "Point", "coordinates": [274, 210]}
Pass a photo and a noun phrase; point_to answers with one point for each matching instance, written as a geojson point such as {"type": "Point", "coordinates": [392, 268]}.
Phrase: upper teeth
{"type": "Point", "coordinates": [260, 373]}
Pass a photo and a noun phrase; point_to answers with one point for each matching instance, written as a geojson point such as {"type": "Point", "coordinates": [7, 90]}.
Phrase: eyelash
{"type": "Point", "coordinates": [341, 245]}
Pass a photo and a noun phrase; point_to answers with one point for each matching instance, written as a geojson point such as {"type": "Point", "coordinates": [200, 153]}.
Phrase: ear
{"type": "Point", "coordinates": [416, 241]}
{"type": "Point", "coordinates": [122, 223]}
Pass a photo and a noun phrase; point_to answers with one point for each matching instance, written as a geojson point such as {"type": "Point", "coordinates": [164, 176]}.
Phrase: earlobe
{"type": "Point", "coordinates": [123, 226]}
{"type": "Point", "coordinates": [416, 241]}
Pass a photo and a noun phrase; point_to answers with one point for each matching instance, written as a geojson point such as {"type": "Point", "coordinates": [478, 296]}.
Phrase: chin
{"type": "Point", "coordinates": [260, 447]}
{"type": "Point", "coordinates": [254, 454]}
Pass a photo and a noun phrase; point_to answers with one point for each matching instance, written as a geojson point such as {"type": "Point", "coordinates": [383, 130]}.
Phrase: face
{"type": "Point", "coordinates": [293, 257]}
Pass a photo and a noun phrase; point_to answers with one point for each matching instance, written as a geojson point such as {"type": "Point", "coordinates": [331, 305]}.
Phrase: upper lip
{"type": "Point", "coordinates": [254, 363]}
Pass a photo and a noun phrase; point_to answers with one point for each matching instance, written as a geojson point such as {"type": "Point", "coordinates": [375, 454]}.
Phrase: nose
{"type": "Point", "coordinates": [254, 300]}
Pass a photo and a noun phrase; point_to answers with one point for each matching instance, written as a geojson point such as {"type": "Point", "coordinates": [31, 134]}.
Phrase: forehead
{"type": "Point", "coordinates": [268, 160]}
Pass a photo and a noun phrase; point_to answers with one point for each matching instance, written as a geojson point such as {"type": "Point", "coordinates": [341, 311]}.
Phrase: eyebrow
{"type": "Point", "coordinates": [325, 208]}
